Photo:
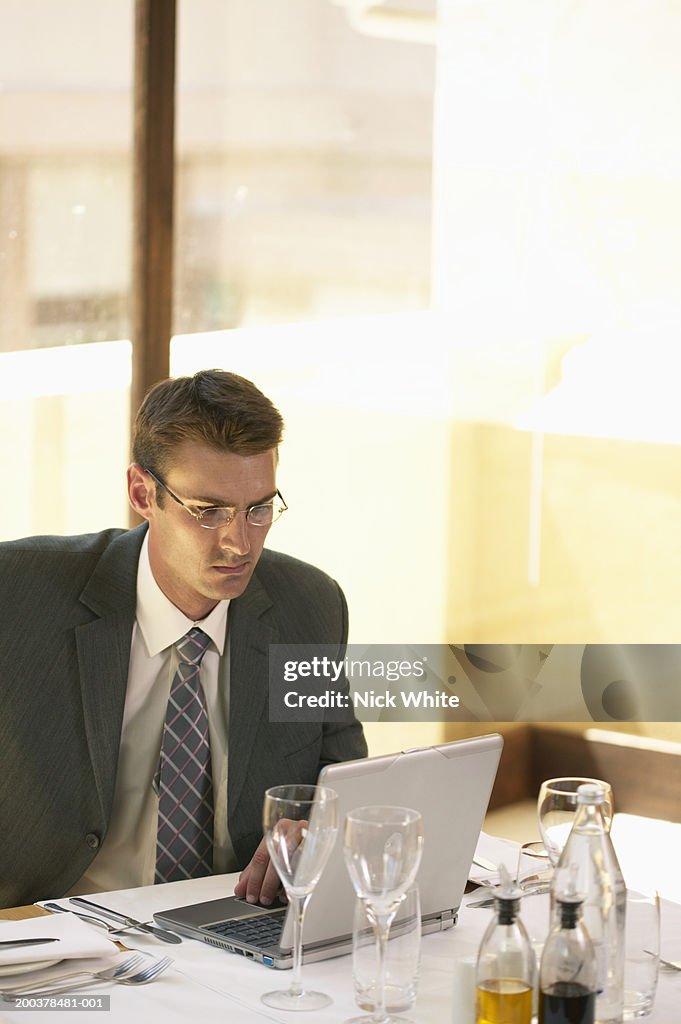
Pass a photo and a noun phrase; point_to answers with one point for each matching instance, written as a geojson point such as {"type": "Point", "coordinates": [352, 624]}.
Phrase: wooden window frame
{"type": "Point", "coordinates": [153, 194]}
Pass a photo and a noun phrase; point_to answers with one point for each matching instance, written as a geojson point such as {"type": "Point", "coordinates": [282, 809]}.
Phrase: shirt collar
{"type": "Point", "coordinates": [160, 622]}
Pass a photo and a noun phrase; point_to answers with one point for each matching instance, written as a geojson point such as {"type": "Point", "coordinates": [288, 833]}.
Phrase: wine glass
{"type": "Point", "coordinates": [556, 809]}
{"type": "Point", "coordinates": [300, 825]}
{"type": "Point", "coordinates": [382, 848]}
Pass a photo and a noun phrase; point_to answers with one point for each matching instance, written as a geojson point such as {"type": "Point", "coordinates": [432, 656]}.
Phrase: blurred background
{"type": "Point", "coordinates": [442, 237]}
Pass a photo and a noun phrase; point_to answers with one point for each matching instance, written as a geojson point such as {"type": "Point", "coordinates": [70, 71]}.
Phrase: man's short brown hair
{"type": "Point", "coordinates": [220, 409]}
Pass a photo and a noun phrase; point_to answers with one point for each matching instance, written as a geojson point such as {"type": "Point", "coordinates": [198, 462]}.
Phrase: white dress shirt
{"type": "Point", "coordinates": [127, 857]}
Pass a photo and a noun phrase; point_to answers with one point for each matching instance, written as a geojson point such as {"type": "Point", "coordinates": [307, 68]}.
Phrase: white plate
{"type": "Point", "coordinates": [34, 965]}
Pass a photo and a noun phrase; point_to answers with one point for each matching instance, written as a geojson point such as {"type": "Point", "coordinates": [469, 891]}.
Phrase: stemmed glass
{"type": "Point", "coordinates": [556, 809]}
{"type": "Point", "coordinates": [382, 848]}
{"type": "Point", "coordinates": [300, 825]}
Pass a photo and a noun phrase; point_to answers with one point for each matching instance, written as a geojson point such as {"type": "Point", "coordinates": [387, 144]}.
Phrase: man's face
{"type": "Point", "coordinates": [195, 567]}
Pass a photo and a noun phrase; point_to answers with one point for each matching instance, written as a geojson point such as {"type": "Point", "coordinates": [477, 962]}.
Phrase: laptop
{"type": "Point", "coordinates": [449, 784]}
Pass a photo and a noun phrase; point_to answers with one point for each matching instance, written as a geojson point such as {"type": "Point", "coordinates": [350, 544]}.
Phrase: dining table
{"type": "Point", "coordinates": [207, 984]}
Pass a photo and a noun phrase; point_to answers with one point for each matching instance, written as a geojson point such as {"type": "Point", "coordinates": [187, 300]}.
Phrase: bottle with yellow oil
{"type": "Point", "coordinates": [506, 964]}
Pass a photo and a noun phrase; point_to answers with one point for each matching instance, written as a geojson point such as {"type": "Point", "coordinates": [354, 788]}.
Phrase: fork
{"type": "Point", "coordinates": [128, 966]}
{"type": "Point", "coordinates": [142, 977]}
{"type": "Point", "coordinates": [125, 975]}
{"type": "Point", "coordinates": [148, 974]}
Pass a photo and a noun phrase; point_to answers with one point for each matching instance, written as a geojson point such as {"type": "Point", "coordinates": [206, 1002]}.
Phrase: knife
{"type": "Point", "coordinates": [541, 890]}
{"type": "Point", "coordinates": [113, 915]}
{"type": "Point", "coordinates": [13, 943]}
{"type": "Point", "coordinates": [486, 865]}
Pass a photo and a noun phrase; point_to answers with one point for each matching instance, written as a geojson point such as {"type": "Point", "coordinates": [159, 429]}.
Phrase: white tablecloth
{"type": "Point", "coordinates": [207, 985]}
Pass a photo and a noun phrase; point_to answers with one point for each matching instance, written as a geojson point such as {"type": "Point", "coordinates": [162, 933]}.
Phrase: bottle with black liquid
{"type": "Point", "coordinates": [590, 861]}
{"type": "Point", "coordinates": [568, 978]}
{"type": "Point", "coordinates": [506, 965]}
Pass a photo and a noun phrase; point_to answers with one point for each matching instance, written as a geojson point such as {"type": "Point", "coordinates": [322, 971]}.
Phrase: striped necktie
{"type": "Point", "coordinates": [184, 846]}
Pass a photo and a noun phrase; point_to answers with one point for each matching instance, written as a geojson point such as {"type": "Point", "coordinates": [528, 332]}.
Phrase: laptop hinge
{"type": "Point", "coordinates": [448, 919]}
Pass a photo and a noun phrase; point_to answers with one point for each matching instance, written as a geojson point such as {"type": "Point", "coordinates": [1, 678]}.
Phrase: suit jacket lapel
{"type": "Point", "coordinates": [104, 654]}
{"type": "Point", "coordinates": [249, 639]}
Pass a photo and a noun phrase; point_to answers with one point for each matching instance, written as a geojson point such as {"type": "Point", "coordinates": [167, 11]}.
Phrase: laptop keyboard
{"type": "Point", "coordinates": [264, 930]}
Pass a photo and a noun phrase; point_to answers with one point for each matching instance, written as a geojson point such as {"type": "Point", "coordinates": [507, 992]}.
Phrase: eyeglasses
{"type": "Point", "coordinates": [263, 514]}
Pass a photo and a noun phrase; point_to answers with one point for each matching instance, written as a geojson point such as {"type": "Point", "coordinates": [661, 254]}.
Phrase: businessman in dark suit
{"type": "Point", "coordinates": [91, 634]}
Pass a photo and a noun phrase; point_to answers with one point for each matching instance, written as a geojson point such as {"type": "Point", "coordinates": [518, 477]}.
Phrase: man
{"type": "Point", "coordinates": [135, 743]}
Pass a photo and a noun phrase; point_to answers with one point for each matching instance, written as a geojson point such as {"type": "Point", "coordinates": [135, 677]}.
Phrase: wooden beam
{"type": "Point", "coordinates": [153, 189]}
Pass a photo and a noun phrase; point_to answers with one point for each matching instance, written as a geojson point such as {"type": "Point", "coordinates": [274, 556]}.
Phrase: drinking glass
{"type": "Point", "coordinates": [403, 955]}
{"type": "Point", "coordinates": [382, 848]}
{"type": "Point", "coordinates": [300, 825]}
{"type": "Point", "coordinates": [641, 954]}
{"type": "Point", "coordinates": [556, 809]}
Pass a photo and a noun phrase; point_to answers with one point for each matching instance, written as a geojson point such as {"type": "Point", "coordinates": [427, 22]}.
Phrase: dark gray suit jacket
{"type": "Point", "coordinates": [67, 607]}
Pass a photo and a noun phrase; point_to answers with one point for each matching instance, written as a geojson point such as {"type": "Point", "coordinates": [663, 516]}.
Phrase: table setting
{"type": "Point", "coordinates": [208, 982]}
{"type": "Point", "coordinates": [46, 956]}
{"type": "Point", "coordinates": [109, 947]}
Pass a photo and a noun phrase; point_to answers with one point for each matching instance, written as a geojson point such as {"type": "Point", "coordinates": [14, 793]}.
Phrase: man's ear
{"type": "Point", "coordinates": [141, 491]}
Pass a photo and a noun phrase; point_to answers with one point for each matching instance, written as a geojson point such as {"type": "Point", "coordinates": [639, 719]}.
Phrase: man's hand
{"type": "Point", "coordinates": [259, 881]}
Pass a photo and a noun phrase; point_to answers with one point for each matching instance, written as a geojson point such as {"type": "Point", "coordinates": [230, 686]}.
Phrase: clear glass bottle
{"type": "Point", "coordinates": [589, 863]}
{"type": "Point", "coordinates": [506, 964]}
{"type": "Point", "coordinates": [568, 980]}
